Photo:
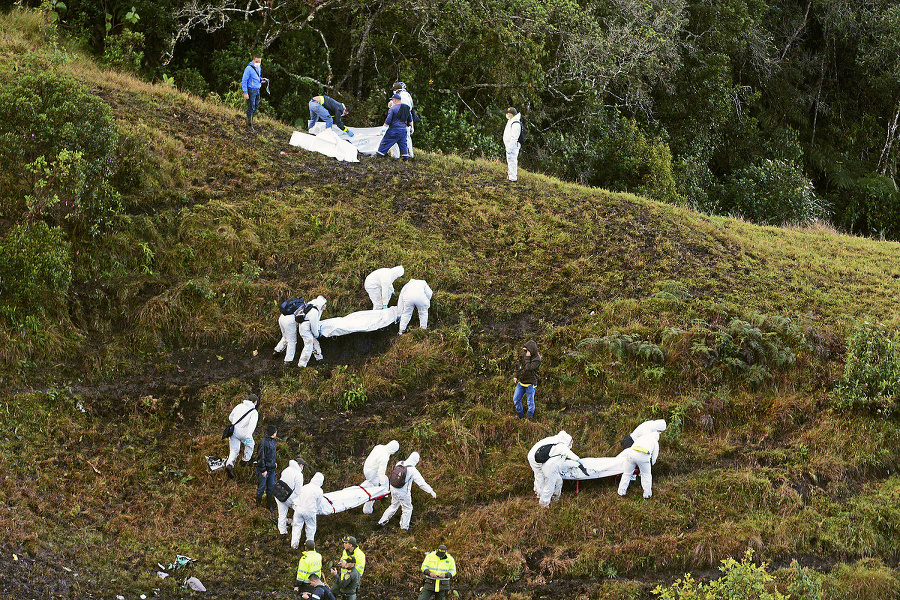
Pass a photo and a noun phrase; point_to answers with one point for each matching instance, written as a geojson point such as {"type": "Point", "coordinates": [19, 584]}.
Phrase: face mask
{"type": "Point", "coordinates": [442, 555]}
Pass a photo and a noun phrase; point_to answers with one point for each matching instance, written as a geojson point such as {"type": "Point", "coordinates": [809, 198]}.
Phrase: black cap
{"type": "Point", "coordinates": [349, 539]}
{"type": "Point", "coordinates": [253, 398]}
{"type": "Point", "coordinates": [442, 548]}
{"type": "Point", "coordinates": [512, 111]}
{"type": "Point", "coordinates": [271, 429]}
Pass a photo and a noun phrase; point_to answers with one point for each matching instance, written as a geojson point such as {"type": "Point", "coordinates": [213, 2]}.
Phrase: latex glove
{"type": "Point", "coordinates": [383, 306]}
{"type": "Point", "coordinates": [248, 441]}
{"type": "Point", "coordinates": [350, 133]}
{"type": "Point", "coordinates": [583, 470]}
{"type": "Point", "coordinates": [433, 495]}
{"type": "Point", "coordinates": [383, 130]}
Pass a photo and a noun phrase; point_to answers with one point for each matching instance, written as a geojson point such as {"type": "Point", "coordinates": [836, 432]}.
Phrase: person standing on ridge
{"type": "Point", "coordinates": [306, 508]}
{"type": "Point", "coordinates": [251, 81]}
{"type": "Point", "coordinates": [406, 99]}
{"type": "Point", "coordinates": [244, 417]}
{"type": "Point", "coordinates": [511, 136]}
{"type": "Point", "coordinates": [265, 467]}
{"type": "Point", "coordinates": [329, 111]}
{"type": "Point", "coordinates": [438, 567]}
{"type": "Point", "coordinates": [293, 478]}
{"type": "Point", "coordinates": [526, 379]}
{"type": "Point", "coordinates": [395, 128]}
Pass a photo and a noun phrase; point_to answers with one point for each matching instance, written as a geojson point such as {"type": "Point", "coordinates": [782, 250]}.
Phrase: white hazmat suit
{"type": "Point", "coordinates": [642, 454]}
{"type": "Point", "coordinates": [415, 295]}
{"type": "Point", "coordinates": [406, 98]}
{"type": "Point", "coordinates": [243, 431]}
{"type": "Point", "coordinates": [288, 325]}
{"type": "Point", "coordinates": [547, 477]}
{"type": "Point", "coordinates": [293, 477]}
{"type": "Point", "coordinates": [402, 497]}
{"type": "Point", "coordinates": [309, 332]}
{"type": "Point", "coordinates": [306, 507]}
{"type": "Point", "coordinates": [511, 141]}
{"type": "Point", "coordinates": [375, 468]}
{"type": "Point", "coordinates": [379, 285]}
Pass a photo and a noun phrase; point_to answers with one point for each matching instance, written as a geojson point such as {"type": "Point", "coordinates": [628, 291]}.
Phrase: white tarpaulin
{"type": "Point", "coordinates": [365, 139]}
{"type": "Point", "coordinates": [363, 320]}
{"type": "Point", "coordinates": [597, 468]}
{"type": "Point", "coordinates": [326, 142]}
{"type": "Point", "coordinates": [351, 497]}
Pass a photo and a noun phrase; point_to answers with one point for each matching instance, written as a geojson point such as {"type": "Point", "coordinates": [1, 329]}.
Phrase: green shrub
{"type": "Point", "coordinates": [742, 580]}
{"type": "Point", "coordinates": [58, 147]}
{"type": "Point", "coordinates": [871, 206]}
{"type": "Point", "coordinates": [125, 51]}
{"type": "Point", "coordinates": [35, 271]}
{"type": "Point", "coordinates": [868, 579]}
{"type": "Point", "coordinates": [872, 370]}
{"type": "Point", "coordinates": [773, 192]}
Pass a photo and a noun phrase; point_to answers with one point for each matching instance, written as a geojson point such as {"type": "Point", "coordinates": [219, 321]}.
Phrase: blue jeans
{"type": "Point", "coordinates": [265, 483]}
{"type": "Point", "coordinates": [318, 113]}
{"type": "Point", "coordinates": [394, 135]}
{"type": "Point", "coordinates": [517, 399]}
{"type": "Point", "coordinates": [252, 101]}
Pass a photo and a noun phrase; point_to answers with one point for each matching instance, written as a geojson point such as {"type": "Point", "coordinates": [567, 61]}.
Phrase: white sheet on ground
{"type": "Point", "coordinates": [351, 497]}
{"type": "Point", "coordinates": [367, 140]}
{"type": "Point", "coordinates": [363, 320]}
{"type": "Point", "coordinates": [597, 468]}
{"type": "Point", "coordinates": [326, 142]}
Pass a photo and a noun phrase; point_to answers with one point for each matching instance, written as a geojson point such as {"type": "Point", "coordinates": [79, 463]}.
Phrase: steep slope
{"type": "Point", "coordinates": [732, 332]}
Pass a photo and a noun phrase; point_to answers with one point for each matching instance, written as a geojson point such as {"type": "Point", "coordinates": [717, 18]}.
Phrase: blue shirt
{"type": "Point", "coordinates": [252, 78]}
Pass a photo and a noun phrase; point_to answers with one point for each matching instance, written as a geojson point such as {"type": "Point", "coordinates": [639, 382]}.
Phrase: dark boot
{"type": "Point", "coordinates": [258, 501]}
{"type": "Point", "coordinates": [230, 470]}
{"type": "Point", "coordinates": [250, 123]}
{"type": "Point", "coordinates": [270, 503]}
{"type": "Point", "coordinates": [519, 415]}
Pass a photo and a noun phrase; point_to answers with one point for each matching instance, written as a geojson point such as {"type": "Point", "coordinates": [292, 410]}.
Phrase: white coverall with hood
{"type": "Point", "coordinates": [288, 325]}
{"type": "Point", "coordinates": [375, 468]}
{"type": "Point", "coordinates": [293, 477]}
{"type": "Point", "coordinates": [306, 507]}
{"type": "Point", "coordinates": [402, 497]}
{"type": "Point", "coordinates": [379, 285]}
{"type": "Point", "coordinates": [415, 295]}
{"type": "Point", "coordinates": [642, 454]}
{"type": "Point", "coordinates": [309, 331]}
{"type": "Point", "coordinates": [406, 98]}
{"type": "Point", "coordinates": [547, 478]}
{"type": "Point", "coordinates": [243, 431]}
{"type": "Point", "coordinates": [511, 141]}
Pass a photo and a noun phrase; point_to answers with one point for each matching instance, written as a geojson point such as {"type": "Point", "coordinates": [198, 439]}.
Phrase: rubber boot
{"type": "Point", "coordinates": [270, 503]}
{"type": "Point", "coordinates": [258, 501]}
{"type": "Point", "coordinates": [230, 470]}
{"type": "Point", "coordinates": [250, 123]}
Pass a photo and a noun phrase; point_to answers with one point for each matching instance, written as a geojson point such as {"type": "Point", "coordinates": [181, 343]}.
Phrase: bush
{"type": "Point", "coordinates": [773, 192]}
{"type": "Point", "coordinates": [58, 147]}
{"type": "Point", "coordinates": [125, 51]}
{"type": "Point", "coordinates": [742, 580]}
{"type": "Point", "coordinates": [872, 372]}
{"type": "Point", "coordinates": [871, 206]}
{"type": "Point", "coordinates": [35, 271]}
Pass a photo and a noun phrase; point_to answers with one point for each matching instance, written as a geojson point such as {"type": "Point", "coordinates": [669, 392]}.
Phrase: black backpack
{"type": "Point", "coordinates": [304, 311]}
{"type": "Point", "coordinates": [542, 454]}
{"type": "Point", "coordinates": [290, 306]}
{"type": "Point", "coordinates": [522, 137]}
{"type": "Point", "coordinates": [282, 491]}
{"type": "Point", "coordinates": [398, 476]}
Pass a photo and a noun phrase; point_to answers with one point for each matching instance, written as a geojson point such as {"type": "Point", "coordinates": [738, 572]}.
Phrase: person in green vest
{"type": "Point", "coordinates": [310, 564]}
{"type": "Point", "coordinates": [438, 567]}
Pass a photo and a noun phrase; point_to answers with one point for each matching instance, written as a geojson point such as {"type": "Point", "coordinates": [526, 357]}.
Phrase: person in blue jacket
{"type": "Point", "coordinates": [250, 83]}
{"type": "Point", "coordinates": [329, 110]}
{"type": "Point", "coordinates": [395, 128]}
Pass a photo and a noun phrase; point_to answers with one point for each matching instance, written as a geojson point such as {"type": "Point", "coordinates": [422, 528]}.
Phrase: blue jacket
{"type": "Point", "coordinates": [265, 456]}
{"type": "Point", "coordinates": [252, 78]}
{"type": "Point", "coordinates": [397, 117]}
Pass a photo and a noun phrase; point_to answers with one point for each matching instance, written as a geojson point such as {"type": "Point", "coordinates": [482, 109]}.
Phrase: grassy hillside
{"type": "Point", "coordinates": [735, 334]}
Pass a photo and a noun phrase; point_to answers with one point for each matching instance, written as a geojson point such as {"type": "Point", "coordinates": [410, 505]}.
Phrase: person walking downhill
{"type": "Point", "coordinates": [265, 468]}
{"type": "Point", "coordinates": [526, 379]}
{"type": "Point", "coordinates": [251, 81]}
{"type": "Point", "coordinates": [243, 417]}
{"type": "Point", "coordinates": [511, 136]}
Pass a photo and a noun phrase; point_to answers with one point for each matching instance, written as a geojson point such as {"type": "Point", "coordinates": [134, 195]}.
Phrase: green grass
{"type": "Point", "coordinates": [173, 315]}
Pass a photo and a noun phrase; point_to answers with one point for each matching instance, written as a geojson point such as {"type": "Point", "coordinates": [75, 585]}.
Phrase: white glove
{"type": "Point", "coordinates": [433, 495]}
{"type": "Point", "coordinates": [383, 130]}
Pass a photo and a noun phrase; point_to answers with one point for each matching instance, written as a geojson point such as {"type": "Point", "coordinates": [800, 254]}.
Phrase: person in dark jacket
{"type": "Point", "coordinates": [319, 591]}
{"type": "Point", "coordinates": [347, 584]}
{"type": "Point", "coordinates": [526, 379]}
{"type": "Point", "coordinates": [265, 468]}
{"type": "Point", "coordinates": [395, 128]}
{"type": "Point", "coordinates": [329, 110]}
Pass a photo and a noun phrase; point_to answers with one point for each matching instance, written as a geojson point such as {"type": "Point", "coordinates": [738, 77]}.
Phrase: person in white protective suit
{"type": "Point", "coordinates": [415, 295]}
{"type": "Point", "coordinates": [379, 285]}
{"type": "Point", "coordinates": [402, 497]}
{"type": "Point", "coordinates": [399, 88]}
{"type": "Point", "coordinates": [511, 140]}
{"type": "Point", "coordinates": [375, 468]}
{"type": "Point", "coordinates": [244, 417]}
{"type": "Point", "coordinates": [288, 342]}
{"type": "Point", "coordinates": [293, 477]}
{"type": "Point", "coordinates": [309, 332]}
{"type": "Point", "coordinates": [642, 454]}
{"type": "Point", "coordinates": [546, 458]}
{"type": "Point", "coordinates": [306, 509]}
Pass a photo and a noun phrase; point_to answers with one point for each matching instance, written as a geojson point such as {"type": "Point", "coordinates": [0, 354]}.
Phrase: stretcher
{"type": "Point", "coordinates": [351, 497]}
{"type": "Point", "coordinates": [597, 468]}
{"type": "Point", "coordinates": [356, 322]}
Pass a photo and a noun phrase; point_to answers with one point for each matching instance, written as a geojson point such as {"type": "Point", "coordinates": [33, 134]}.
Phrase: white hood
{"type": "Point", "coordinates": [413, 460]}
{"type": "Point", "coordinates": [392, 446]}
{"type": "Point", "coordinates": [317, 480]}
{"type": "Point", "coordinates": [397, 271]}
{"type": "Point", "coordinates": [564, 438]}
{"type": "Point", "coordinates": [293, 464]}
{"type": "Point", "coordinates": [319, 302]}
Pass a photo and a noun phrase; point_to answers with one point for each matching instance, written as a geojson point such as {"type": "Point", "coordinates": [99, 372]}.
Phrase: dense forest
{"type": "Point", "coordinates": [778, 111]}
